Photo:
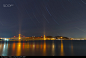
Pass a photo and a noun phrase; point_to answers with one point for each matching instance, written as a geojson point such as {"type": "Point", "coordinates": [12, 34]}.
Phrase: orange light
{"type": "Point", "coordinates": [23, 36]}
{"type": "Point", "coordinates": [13, 48]}
{"type": "Point", "coordinates": [61, 37]}
{"type": "Point", "coordinates": [23, 45]}
{"type": "Point", "coordinates": [44, 37]}
{"type": "Point", "coordinates": [18, 52]}
{"type": "Point", "coordinates": [41, 36]}
{"type": "Point", "coordinates": [19, 36]}
{"type": "Point", "coordinates": [62, 48]}
{"type": "Point", "coordinates": [14, 36]}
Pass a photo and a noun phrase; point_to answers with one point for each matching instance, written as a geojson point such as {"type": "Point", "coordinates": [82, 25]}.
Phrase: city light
{"type": "Point", "coordinates": [44, 37]}
{"type": "Point", "coordinates": [22, 37]}
{"type": "Point", "coordinates": [19, 36]}
{"type": "Point", "coordinates": [61, 37]}
{"type": "Point", "coordinates": [6, 39]}
{"type": "Point", "coordinates": [14, 36]}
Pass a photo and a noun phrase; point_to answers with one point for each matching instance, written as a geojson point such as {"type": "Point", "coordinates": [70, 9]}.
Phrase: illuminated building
{"type": "Point", "coordinates": [61, 37]}
{"type": "Point", "coordinates": [19, 36]}
{"type": "Point", "coordinates": [44, 37]}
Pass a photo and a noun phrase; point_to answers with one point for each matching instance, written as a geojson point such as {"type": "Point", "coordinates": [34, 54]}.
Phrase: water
{"type": "Point", "coordinates": [43, 48]}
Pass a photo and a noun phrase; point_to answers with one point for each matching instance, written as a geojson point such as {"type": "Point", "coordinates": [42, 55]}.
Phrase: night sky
{"type": "Point", "coordinates": [36, 17]}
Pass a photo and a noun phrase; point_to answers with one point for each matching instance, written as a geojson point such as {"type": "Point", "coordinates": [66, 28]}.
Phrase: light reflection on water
{"type": "Point", "coordinates": [39, 48]}
{"type": "Point", "coordinates": [18, 49]}
{"type": "Point", "coordinates": [5, 49]}
{"type": "Point", "coordinates": [62, 48]}
{"type": "Point", "coordinates": [72, 49]}
{"type": "Point", "coordinates": [13, 48]}
{"type": "Point", "coordinates": [53, 48]}
{"type": "Point", "coordinates": [44, 48]}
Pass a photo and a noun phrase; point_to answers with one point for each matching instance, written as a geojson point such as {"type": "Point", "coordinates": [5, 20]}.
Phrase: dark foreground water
{"type": "Point", "coordinates": [43, 48]}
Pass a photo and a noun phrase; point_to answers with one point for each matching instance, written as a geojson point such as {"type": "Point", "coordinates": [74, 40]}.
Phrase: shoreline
{"type": "Point", "coordinates": [43, 40]}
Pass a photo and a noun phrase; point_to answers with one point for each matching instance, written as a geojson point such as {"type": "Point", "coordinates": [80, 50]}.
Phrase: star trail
{"type": "Point", "coordinates": [34, 17]}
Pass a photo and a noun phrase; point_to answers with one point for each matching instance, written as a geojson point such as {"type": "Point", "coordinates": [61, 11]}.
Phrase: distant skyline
{"type": "Point", "coordinates": [36, 17]}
